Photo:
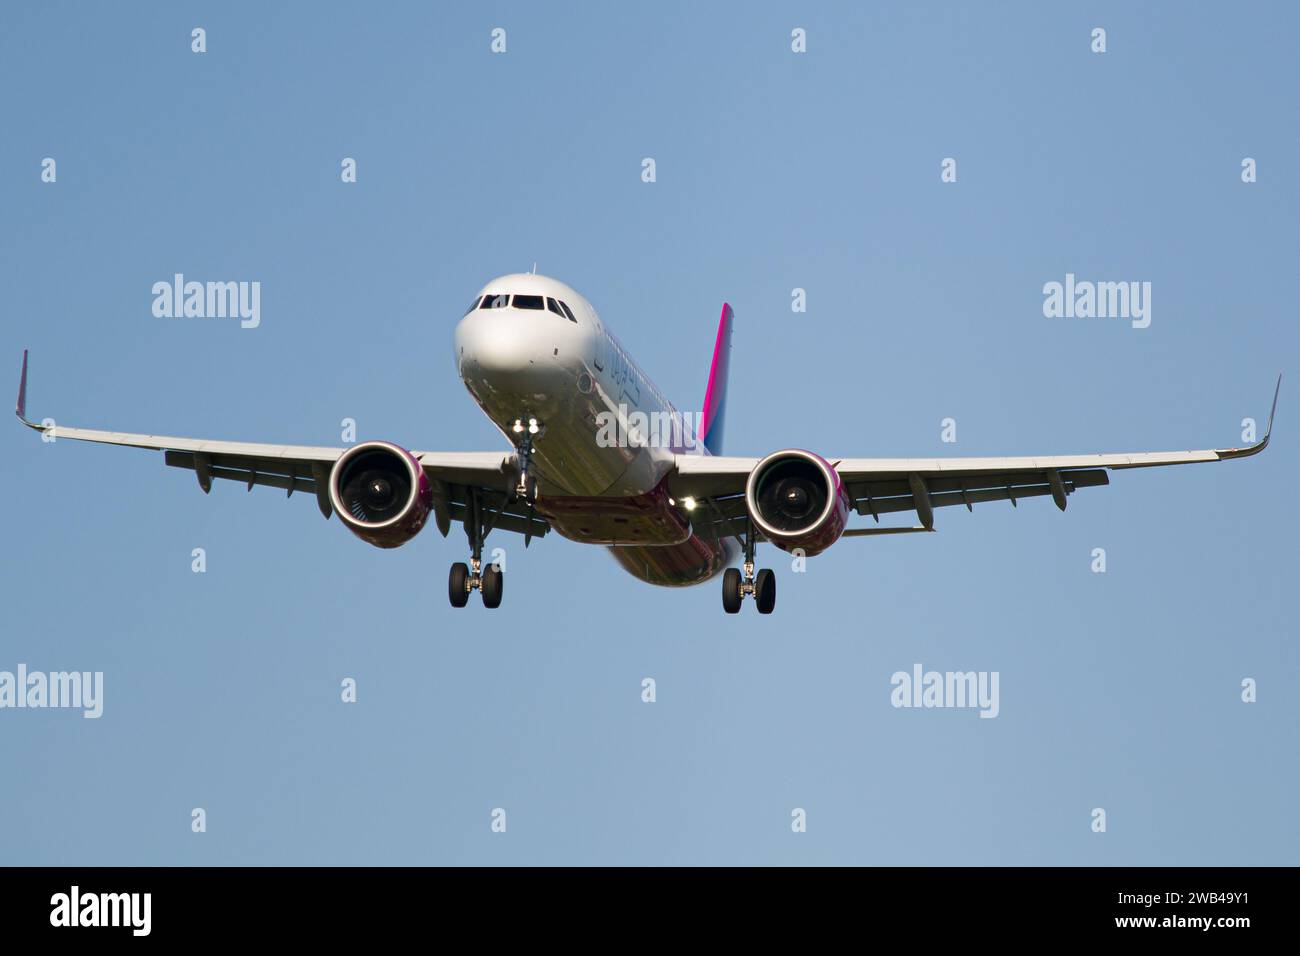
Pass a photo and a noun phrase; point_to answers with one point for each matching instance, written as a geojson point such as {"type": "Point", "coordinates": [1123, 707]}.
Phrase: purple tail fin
{"type": "Point", "coordinates": [715, 395]}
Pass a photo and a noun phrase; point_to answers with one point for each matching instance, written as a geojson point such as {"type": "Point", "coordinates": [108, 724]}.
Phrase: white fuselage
{"type": "Point", "coordinates": [533, 348]}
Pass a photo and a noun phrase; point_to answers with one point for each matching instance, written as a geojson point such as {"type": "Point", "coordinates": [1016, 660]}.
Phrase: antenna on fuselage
{"type": "Point", "coordinates": [534, 268]}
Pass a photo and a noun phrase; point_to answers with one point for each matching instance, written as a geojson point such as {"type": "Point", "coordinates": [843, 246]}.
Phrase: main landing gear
{"type": "Point", "coordinates": [735, 585]}
{"type": "Point", "coordinates": [488, 581]}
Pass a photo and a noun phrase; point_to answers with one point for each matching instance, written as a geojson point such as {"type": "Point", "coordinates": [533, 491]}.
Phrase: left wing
{"type": "Point", "coordinates": [456, 476]}
{"type": "Point", "coordinates": [879, 486]}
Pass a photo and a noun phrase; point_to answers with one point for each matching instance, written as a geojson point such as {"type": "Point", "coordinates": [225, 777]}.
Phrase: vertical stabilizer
{"type": "Point", "coordinates": [715, 393]}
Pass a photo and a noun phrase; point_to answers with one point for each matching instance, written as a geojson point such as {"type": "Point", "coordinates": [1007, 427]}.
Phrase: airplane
{"type": "Point", "coordinates": [545, 369]}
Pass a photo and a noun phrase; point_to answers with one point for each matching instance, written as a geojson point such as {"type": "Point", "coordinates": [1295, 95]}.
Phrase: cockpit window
{"type": "Point", "coordinates": [495, 301]}
{"type": "Point", "coordinates": [550, 304]}
{"type": "Point", "coordinates": [528, 302]}
{"type": "Point", "coordinates": [472, 306]}
{"type": "Point", "coordinates": [567, 311]}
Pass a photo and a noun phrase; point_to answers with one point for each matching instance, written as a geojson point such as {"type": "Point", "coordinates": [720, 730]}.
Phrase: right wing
{"type": "Point", "coordinates": [456, 476]}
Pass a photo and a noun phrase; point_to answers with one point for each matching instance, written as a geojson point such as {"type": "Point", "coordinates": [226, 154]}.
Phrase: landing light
{"type": "Point", "coordinates": [688, 504]}
{"type": "Point", "coordinates": [532, 426]}
{"type": "Point", "coordinates": [517, 427]}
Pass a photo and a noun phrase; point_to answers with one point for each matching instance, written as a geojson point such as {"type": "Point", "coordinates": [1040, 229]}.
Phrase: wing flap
{"type": "Point", "coordinates": [486, 468]}
{"type": "Point", "coordinates": [271, 472]}
{"type": "Point", "coordinates": [884, 497]}
{"type": "Point", "coordinates": [507, 520]}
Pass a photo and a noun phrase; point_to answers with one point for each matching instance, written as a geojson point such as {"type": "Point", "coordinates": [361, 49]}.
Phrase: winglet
{"type": "Point", "coordinates": [21, 408]}
{"type": "Point", "coordinates": [1260, 445]}
{"type": "Point", "coordinates": [1272, 411]}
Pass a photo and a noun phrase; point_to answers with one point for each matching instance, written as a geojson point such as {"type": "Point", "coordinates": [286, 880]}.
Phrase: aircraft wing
{"type": "Point", "coordinates": [877, 486]}
{"type": "Point", "coordinates": [306, 468]}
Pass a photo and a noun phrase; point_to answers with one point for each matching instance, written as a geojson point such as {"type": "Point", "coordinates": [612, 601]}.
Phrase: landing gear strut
{"type": "Point", "coordinates": [526, 432]}
{"type": "Point", "coordinates": [736, 585]}
{"type": "Point", "coordinates": [488, 581]}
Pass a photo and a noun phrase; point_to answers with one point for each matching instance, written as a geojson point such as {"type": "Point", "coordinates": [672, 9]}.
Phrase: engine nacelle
{"type": "Point", "coordinates": [381, 493]}
{"type": "Point", "coordinates": [797, 500]}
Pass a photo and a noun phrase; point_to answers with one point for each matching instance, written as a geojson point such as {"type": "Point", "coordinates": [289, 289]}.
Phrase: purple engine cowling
{"type": "Point", "coordinates": [381, 493]}
{"type": "Point", "coordinates": [797, 501]}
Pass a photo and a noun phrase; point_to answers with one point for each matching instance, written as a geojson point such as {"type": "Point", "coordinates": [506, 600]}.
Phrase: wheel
{"type": "Point", "coordinates": [731, 591]}
{"type": "Point", "coordinates": [530, 489]}
{"type": "Point", "coordinates": [458, 584]}
{"type": "Point", "coordinates": [765, 591]}
{"type": "Point", "coordinates": [492, 586]}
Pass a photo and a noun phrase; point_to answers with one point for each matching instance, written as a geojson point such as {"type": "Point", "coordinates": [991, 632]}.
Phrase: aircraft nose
{"type": "Point", "coordinates": [494, 343]}
{"type": "Point", "coordinates": [506, 352]}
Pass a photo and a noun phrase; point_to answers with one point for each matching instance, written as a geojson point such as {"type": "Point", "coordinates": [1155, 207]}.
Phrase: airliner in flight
{"type": "Point", "coordinates": [543, 366]}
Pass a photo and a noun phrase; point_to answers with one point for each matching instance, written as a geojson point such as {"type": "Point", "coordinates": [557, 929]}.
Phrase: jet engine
{"type": "Point", "coordinates": [796, 500]}
{"type": "Point", "coordinates": [381, 493]}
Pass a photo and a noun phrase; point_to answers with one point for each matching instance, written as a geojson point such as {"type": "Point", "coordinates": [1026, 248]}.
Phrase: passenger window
{"type": "Point", "coordinates": [499, 301]}
{"type": "Point", "coordinates": [567, 312]}
{"type": "Point", "coordinates": [528, 302]}
{"type": "Point", "coordinates": [472, 306]}
{"type": "Point", "coordinates": [550, 304]}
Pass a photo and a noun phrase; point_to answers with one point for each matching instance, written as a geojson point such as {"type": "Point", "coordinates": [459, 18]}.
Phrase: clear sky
{"type": "Point", "coordinates": [775, 171]}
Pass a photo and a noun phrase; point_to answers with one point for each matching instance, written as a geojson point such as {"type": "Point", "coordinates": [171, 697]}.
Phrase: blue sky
{"type": "Point", "coordinates": [775, 171]}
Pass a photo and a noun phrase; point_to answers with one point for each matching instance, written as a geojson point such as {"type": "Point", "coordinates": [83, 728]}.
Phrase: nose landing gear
{"type": "Point", "coordinates": [526, 432]}
{"type": "Point", "coordinates": [736, 585]}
